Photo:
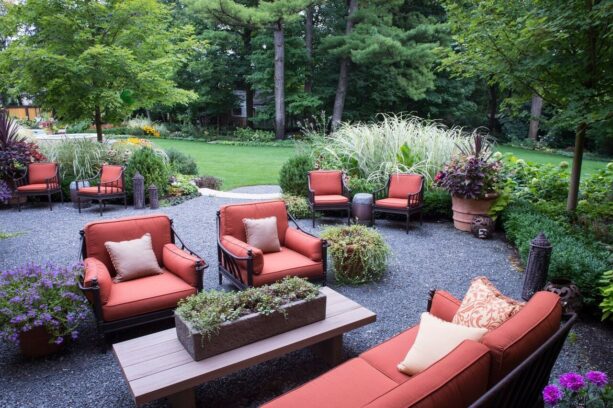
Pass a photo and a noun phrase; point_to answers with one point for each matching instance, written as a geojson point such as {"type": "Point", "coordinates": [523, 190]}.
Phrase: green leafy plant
{"type": "Point", "coordinates": [359, 254]}
{"type": "Point", "coordinates": [293, 175]}
{"type": "Point", "coordinates": [251, 135]}
{"type": "Point", "coordinates": [78, 127]}
{"type": "Point", "coordinates": [297, 206]}
{"type": "Point", "coordinates": [214, 183]}
{"type": "Point", "coordinates": [151, 166]}
{"type": "Point", "coordinates": [359, 185]}
{"type": "Point", "coordinates": [181, 163]}
{"type": "Point", "coordinates": [207, 310]}
{"type": "Point", "coordinates": [606, 290]}
{"type": "Point", "coordinates": [437, 204]}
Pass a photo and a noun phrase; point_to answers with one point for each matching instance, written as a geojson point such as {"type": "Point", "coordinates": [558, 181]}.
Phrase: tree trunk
{"type": "Point", "coordinates": [492, 108]}
{"type": "Point", "coordinates": [279, 41]}
{"type": "Point", "coordinates": [575, 175]}
{"type": "Point", "coordinates": [308, 39]}
{"type": "Point", "coordinates": [249, 93]}
{"type": "Point", "coordinates": [343, 77]}
{"type": "Point", "coordinates": [535, 115]}
{"type": "Point", "coordinates": [98, 123]}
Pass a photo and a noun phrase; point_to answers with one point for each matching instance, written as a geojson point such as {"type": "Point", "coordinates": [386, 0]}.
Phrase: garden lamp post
{"type": "Point", "coordinates": [537, 267]}
{"type": "Point", "coordinates": [138, 183]}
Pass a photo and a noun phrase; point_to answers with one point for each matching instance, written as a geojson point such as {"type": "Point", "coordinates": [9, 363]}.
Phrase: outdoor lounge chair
{"type": "Point", "coordinates": [327, 192]}
{"type": "Point", "coordinates": [301, 254]}
{"type": "Point", "coordinates": [143, 300]}
{"type": "Point", "coordinates": [110, 184]}
{"type": "Point", "coordinates": [403, 194]}
{"type": "Point", "coordinates": [40, 179]}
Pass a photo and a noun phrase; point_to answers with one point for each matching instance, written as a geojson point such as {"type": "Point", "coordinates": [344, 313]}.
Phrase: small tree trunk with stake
{"type": "Point", "coordinates": [279, 39]}
{"type": "Point", "coordinates": [575, 175]}
{"type": "Point", "coordinates": [98, 123]}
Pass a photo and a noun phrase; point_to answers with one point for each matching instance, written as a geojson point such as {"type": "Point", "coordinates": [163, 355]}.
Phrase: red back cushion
{"type": "Point", "coordinates": [231, 218]}
{"type": "Point", "coordinates": [122, 229]}
{"type": "Point", "coordinates": [517, 338]}
{"type": "Point", "coordinates": [326, 182]}
{"type": "Point", "coordinates": [401, 185]}
{"type": "Point", "coordinates": [39, 172]}
{"type": "Point", "coordinates": [111, 174]}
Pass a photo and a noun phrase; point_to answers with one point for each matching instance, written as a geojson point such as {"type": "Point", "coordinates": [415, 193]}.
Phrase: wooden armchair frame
{"type": "Point", "coordinates": [49, 190]}
{"type": "Point", "coordinates": [330, 207]}
{"type": "Point", "coordinates": [105, 190]}
{"type": "Point", "coordinates": [408, 211]}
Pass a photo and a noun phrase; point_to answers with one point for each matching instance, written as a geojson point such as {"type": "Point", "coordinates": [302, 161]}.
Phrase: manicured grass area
{"type": "Point", "coordinates": [588, 166]}
{"type": "Point", "coordinates": [236, 165]}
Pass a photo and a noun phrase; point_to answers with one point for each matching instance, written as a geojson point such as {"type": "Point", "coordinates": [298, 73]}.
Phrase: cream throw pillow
{"type": "Point", "coordinates": [435, 339]}
{"type": "Point", "coordinates": [262, 233]}
{"type": "Point", "coordinates": [133, 259]}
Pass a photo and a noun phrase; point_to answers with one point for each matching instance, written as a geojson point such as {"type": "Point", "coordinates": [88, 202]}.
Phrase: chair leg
{"type": "Point", "coordinates": [19, 203]}
{"type": "Point", "coordinates": [220, 278]}
{"type": "Point", "coordinates": [50, 205]}
{"type": "Point", "coordinates": [421, 216]}
{"type": "Point", "coordinates": [100, 206]}
{"type": "Point", "coordinates": [61, 196]}
{"type": "Point", "coordinates": [313, 215]}
{"type": "Point", "coordinates": [125, 201]}
{"type": "Point", "coordinates": [408, 219]}
{"type": "Point", "coordinates": [79, 203]}
{"type": "Point", "coordinates": [349, 216]}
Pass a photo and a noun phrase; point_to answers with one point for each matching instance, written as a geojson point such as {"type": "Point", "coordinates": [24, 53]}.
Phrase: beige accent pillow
{"type": "Point", "coordinates": [435, 339]}
{"type": "Point", "coordinates": [484, 306]}
{"type": "Point", "coordinates": [133, 259]}
{"type": "Point", "coordinates": [262, 233]}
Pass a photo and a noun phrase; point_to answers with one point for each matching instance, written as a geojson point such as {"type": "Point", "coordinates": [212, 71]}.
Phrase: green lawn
{"type": "Point", "coordinates": [236, 165]}
{"type": "Point", "coordinates": [588, 166]}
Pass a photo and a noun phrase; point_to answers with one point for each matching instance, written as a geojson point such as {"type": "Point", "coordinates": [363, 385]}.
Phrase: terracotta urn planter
{"type": "Point", "coordinates": [465, 209]}
{"type": "Point", "coordinates": [35, 343]}
{"type": "Point", "coordinates": [250, 328]}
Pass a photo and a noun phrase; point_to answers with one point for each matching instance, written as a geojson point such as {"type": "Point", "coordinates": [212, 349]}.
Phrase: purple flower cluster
{"type": "Point", "coordinates": [41, 295]}
{"type": "Point", "coordinates": [572, 381]}
{"type": "Point", "coordinates": [598, 378]}
{"type": "Point", "coordinates": [552, 394]}
{"type": "Point", "coordinates": [573, 390]}
{"type": "Point", "coordinates": [5, 191]}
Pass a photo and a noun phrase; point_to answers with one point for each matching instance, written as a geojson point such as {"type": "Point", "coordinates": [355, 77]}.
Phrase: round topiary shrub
{"type": "Point", "coordinates": [293, 175]}
{"type": "Point", "coordinates": [152, 167]}
{"type": "Point", "coordinates": [359, 254]}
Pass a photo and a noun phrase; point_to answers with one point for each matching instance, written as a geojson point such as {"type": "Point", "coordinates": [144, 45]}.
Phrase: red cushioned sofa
{"type": "Point", "coordinates": [508, 368]}
{"type": "Point", "coordinates": [139, 301]}
{"type": "Point", "coordinates": [301, 254]}
{"type": "Point", "coordinates": [328, 192]}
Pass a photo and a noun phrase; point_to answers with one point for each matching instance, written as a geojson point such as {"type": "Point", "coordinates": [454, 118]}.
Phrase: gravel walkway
{"type": "Point", "coordinates": [433, 256]}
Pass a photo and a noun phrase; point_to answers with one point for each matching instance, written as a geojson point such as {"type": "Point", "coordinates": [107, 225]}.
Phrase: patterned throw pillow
{"type": "Point", "coordinates": [484, 306]}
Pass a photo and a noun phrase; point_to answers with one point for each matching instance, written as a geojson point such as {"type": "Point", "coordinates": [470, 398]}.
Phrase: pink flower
{"type": "Point", "coordinates": [572, 381]}
{"type": "Point", "coordinates": [552, 394]}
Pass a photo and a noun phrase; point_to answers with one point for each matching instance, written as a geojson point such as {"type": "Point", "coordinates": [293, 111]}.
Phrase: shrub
{"type": "Point", "coordinates": [606, 291]}
{"type": "Point", "coordinates": [151, 166]}
{"type": "Point", "coordinates": [359, 254]}
{"type": "Point", "coordinates": [251, 135]}
{"type": "Point", "coordinates": [298, 207]}
{"type": "Point", "coordinates": [182, 185]}
{"type": "Point", "coordinates": [573, 257]}
{"type": "Point", "coordinates": [293, 175]}
{"type": "Point", "coordinates": [360, 185]}
{"type": "Point", "coordinates": [33, 296]}
{"type": "Point", "coordinates": [78, 127]}
{"type": "Point", "coordinates": [181, 162]}
{"type": "Point", "coordinates": [535, 182]}
{"type": "Point", "coordinates": [437, 205]}
{"type": "Point", "coordinates": [207, 310]}
{"type": "Point", "coordinates": [151, 131]}
{"type": "Point", "coordinates": [214, 183]}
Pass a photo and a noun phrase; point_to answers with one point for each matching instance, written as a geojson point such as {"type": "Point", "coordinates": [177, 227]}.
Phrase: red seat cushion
{"type": "Point", "coordinates": [122, 229]}
{"type": "Point", "coordinates": [112, 174]}
{"type": "Point", "coordinates": [231, 218]}
{"type": "Point", "coordinates": [386, 356]}
{"type": "Point", "coordinates": [38, 173]}
{"type": "Point", "coordinates": [31, 188]}
{"type": "Point", "coordinates": [352, 384]}
{"type": "Point", "coordinates": [144, 295]}
{"type": "Point", "coordinates": [392, 202]}
{"type": "Point", "coordinates": [103, 190]}
{"type": "Point", "coordinates": [514, 340]}
{"type": "Point", "coordinates": [326, 182]}
{"type": "Point", "coordinates": [401, 185]}
{"type": "Point", "coordinates": [330, 199]}
{"type": "Point", "coordinates": [286, 262]}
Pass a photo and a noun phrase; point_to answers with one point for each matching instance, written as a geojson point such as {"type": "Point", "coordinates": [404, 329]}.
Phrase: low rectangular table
{"type": "Point", "coordinates": [157, 365]}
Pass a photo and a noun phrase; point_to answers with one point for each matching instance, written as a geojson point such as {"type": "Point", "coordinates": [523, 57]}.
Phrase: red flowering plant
{"type": "Point", "coordinates": [575, 390]}
{"type": "Point", "coordinates": [474, 173]}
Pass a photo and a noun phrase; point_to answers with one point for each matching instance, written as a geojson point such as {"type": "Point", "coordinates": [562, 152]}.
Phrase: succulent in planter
{"type": "Point", "coordinates": [359, 254]}
{"type": "Point", "coordinates": [40, 305]}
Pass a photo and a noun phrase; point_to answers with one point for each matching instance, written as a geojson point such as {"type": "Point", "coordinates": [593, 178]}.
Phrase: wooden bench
{"type": "Point", "coordinates": [158, 366]}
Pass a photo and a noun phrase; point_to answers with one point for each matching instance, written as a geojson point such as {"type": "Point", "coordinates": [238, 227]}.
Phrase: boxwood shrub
{"type": "Point", "coordinates": [293, 175]}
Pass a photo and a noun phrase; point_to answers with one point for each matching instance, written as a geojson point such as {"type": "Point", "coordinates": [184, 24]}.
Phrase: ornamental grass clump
{"type": "Point", "coordinates": [359, 254]}
{"type": "Point", "coordinates": [208, 310]}
{"type": "Point", "coordinates": [41, 295]}
{"type": "Point", "coordinates": [576, 390]}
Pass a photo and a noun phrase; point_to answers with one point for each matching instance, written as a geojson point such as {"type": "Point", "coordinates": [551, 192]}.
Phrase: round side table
{"type": "Point", "coordinates": [361, 208]}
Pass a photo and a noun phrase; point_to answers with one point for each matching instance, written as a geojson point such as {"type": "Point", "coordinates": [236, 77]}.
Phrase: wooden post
{"type": "Point", "coordinates": [331, 350]}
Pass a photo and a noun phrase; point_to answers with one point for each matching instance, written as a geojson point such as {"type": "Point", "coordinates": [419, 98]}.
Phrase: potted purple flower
{"type": "Point", "coordinates": [40, 307]}
{"type": "Point", "coordinates": [472, 178]}
{"type": "Point", "coordinates": [575, 390]}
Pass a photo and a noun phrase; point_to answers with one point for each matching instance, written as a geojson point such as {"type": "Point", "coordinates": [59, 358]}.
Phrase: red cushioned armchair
{"type": "Point", "coordinates": [403, 194]}
{"type": "Point", "coordinates": [143, 300]}
{"type": "Point", "coordinates": [328, 192]}
{"type": "Point", "coordinates": [41, 179]}
{"type": "Point", "coordinates": [301, 254]}
{"type": "Point", "coordinates": [110, 184]}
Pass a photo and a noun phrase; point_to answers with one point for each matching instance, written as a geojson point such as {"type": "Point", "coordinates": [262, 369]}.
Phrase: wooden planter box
{"type": "Point", "coordinates": [249, 329]}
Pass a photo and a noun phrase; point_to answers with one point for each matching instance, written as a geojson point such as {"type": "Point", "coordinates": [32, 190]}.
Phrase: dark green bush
{"type": "Point", "coordinates": [573, 257]}
{"type": "Point", "coordinates": [437, 205]}
{"type": "Point", "coordinates": [298, 207]}
{"type": "Point", "coordinates": [78, 127]}
{"type": "Point", "coordinates": [151, 166]}
{"type": "Point", "coordinates": [360, 185]}
{"type": "Point", "coordinates": [181, 163]}
{"type": "Point", "coordinates": [251, 135]}
{"type": "Point", "coordinates": [293, 175]}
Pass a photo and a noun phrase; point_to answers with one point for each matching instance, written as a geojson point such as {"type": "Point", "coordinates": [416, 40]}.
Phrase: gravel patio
{"type": "Point", "coordinates": [433, 256]}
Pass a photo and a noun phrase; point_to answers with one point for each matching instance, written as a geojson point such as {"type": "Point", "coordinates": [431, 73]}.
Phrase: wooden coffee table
{"type": "Point", "coordinates": [158, 366]}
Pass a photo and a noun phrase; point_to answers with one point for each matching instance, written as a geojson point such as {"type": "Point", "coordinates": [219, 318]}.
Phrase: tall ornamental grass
{"type": "Point", "coordinates": [395, 143]}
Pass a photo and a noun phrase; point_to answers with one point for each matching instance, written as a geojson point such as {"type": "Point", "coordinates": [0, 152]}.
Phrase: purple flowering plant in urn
{"type": "Point", "coordinates": [41, 307]}
{"type": "Point", "coordinates": [591, 390]}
